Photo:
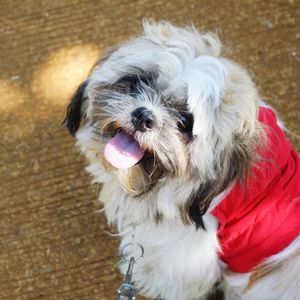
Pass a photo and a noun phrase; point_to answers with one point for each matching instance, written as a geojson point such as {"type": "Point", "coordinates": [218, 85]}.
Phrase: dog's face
{"type": "Point", "coordinates": [166, 106]}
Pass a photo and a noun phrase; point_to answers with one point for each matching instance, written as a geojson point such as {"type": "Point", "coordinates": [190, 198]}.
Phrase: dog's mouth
{"type": "Point", "coordinates": [123, 151]}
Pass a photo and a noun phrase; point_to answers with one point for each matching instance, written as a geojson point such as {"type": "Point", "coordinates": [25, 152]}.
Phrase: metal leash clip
{"type": "Point", "coordinates": [127, 291]}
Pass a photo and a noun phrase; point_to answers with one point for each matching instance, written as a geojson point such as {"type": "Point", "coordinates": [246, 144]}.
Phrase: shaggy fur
{"type": "Point", "coordinates": [204, 137]}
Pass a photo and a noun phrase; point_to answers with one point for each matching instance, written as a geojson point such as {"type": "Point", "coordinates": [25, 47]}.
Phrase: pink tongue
{"type": "Point", "coordinates": [123, 151]}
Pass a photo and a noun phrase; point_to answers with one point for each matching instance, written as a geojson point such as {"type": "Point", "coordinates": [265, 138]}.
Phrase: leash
{"type": "Point", "coordinates": [126, 290]}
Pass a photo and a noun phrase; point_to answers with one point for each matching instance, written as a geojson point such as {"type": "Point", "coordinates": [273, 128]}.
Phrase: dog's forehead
{"type": "Point", "coordinates": [178, 74]}
{"type": "Point", "coordinates": [140, 54]}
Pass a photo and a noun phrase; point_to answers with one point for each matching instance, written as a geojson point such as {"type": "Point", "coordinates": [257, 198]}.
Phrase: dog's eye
{"type": "Point", "coordinates": [185, 122]}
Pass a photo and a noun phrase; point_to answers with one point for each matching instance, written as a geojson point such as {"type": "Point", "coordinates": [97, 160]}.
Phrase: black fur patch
{"type": "Point", "coordinates": [198, 204]}
{"type": "Point", "coordinates": [74, 114]}
{"type": "Point", "coordinates": [131, 82]}
{"type": "Point", "coordinates": [236, 167]}
{"type": "Point", "coordinates": [196, 215]}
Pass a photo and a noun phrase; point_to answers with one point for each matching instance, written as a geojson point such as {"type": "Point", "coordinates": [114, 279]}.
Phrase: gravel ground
{"type": "Point", "coordinates": [53, 243]}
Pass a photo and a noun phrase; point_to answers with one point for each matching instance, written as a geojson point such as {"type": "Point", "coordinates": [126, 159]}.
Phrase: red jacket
{"type": "Point", "coordinates": [262, 218]}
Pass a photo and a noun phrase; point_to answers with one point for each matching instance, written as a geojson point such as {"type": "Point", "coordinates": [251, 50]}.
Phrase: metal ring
{"type": "Point", "coordinates": [132, 244]}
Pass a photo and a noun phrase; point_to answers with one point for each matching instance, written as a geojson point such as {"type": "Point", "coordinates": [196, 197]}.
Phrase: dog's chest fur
{"type": "Point", "coordinates": [180, 262]}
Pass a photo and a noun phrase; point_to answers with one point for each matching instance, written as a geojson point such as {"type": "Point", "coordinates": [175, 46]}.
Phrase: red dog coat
{"type": "Point", "coordinates": [262, 218]}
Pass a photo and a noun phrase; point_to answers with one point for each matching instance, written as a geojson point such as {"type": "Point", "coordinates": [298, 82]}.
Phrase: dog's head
{"type": "Point", "coordinates": [167, 106]}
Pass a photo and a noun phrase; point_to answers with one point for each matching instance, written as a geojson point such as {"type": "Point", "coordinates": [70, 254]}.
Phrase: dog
{"type": "Point", "coordinates": [194, 165]}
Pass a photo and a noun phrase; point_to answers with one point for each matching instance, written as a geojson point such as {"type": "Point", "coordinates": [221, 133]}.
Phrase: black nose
{"type": "Point", "coordinates": [142, 119]}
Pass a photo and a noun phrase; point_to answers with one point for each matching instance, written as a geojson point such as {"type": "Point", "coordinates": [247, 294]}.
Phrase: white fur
{"type": "Point", "coordinates": [180, 262]}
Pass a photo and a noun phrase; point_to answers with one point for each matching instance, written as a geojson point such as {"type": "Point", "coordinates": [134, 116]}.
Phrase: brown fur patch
{"type": "Point", "coordinates": [107, 166]}
{"type": "Point", "coordinates": [265, 269]}
{"type": "Point", "coordinates": [186, 220]}
{"type": "Point", "coordinates": [158, 217]}
{"type": "Point", "coordinates": [133, 180]}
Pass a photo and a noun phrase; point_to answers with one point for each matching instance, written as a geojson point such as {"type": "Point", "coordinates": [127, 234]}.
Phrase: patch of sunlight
{"type": "Point", "coordinates": [58, 76]}
{"type": "Point", "coordinates": [11, 96]}
{"type": "Point", "coordinates": [16, 116]}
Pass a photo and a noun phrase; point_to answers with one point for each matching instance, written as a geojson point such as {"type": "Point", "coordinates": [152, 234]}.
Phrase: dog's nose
{"type": "Point", "coordinates": [142, 119]}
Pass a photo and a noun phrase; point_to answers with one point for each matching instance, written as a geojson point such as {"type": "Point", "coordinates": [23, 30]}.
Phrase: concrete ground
{"type": "Point", "coordinates": [53, 243]}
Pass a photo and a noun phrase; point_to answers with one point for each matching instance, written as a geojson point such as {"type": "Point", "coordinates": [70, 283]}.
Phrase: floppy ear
{"type": "Point", "coordinates": [74, 113]}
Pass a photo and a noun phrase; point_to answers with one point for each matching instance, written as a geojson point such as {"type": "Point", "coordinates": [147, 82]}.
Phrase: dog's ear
{"type": "Point", "coordinates": [74, 110]}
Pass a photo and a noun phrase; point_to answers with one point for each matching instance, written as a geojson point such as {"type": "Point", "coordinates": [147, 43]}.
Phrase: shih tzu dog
{"type": "Point", "coordinates": [195, 164]}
